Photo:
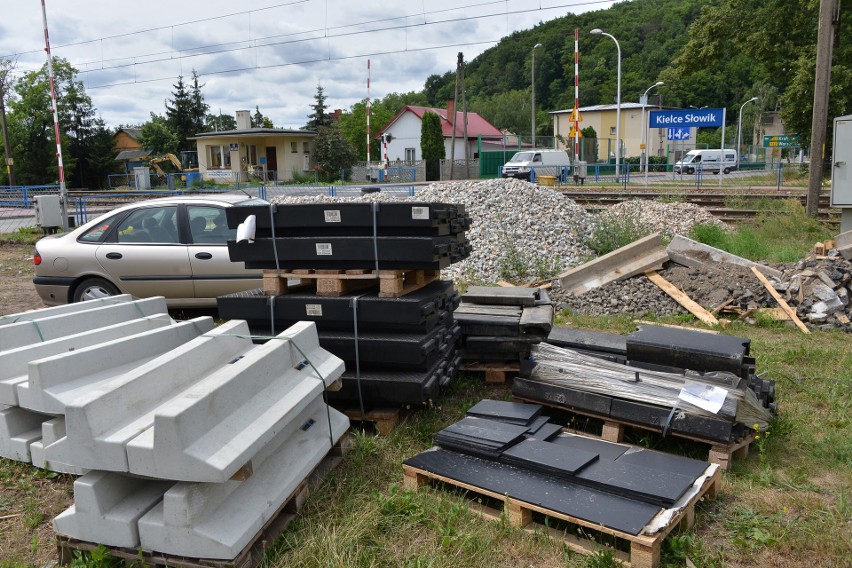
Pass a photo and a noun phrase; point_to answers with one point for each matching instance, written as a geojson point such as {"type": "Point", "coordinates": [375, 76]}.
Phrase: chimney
{"type": "Point", "coordinates": [243, 119]}
{"type": "Point", "coordinates": [451, 110]}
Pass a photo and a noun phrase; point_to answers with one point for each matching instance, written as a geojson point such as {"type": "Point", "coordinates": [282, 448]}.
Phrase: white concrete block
{"type": "Point", "coordinates": [51, 431]}
{"type": "Point", "coordinates": [104, 419]}
{"type": "Point", "coordinates": [57, 380]}
{"type": "Point", "coordinates": [212, 429]}
{"type": "Point", "coordinates": [217, 520]}
{"type": "Point", "coordinates": [64, 309]}
{"type": "Point", "coordinates": [19, 428]}
{"type": "Point", "coordinates": [44, 329]}
{"type": "Point", "coordinates": [107, 508]}
{"type": "Point", "coordinates": [14, 362]}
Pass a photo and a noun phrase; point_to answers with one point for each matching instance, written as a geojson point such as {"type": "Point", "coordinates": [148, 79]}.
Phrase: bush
{"type": "Point", "coordinates": [613, 233]}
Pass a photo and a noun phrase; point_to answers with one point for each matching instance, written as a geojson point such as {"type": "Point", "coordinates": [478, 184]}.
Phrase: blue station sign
{"type": "Point", "coordinates": [698, 117]}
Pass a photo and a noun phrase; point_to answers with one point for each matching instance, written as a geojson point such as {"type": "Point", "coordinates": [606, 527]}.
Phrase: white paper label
{"type": "Point", "coordinates": [332, 215]}
{"type": "Point", "coordinates": [708, 397]}
{"type": "Point", "coordinates": [323, 249]}
{"type": "Point", "coordinates": [313, 310]}
{"type": "Point", "coordinates": [420, 213]}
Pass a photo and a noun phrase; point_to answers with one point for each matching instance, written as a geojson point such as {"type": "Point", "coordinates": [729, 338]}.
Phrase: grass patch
{"type": "Point", "coordinates": [781, 232]}
{"type": "Point", "coordinates": [612, 233]}
{"type": "Point", "coordinates": [23, 236]}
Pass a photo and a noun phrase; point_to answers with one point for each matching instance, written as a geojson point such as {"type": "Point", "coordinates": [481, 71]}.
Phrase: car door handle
{"type": "Point", "coordinates": [113, 255]}
{"type": "Point", "coordinates": [203, 256]}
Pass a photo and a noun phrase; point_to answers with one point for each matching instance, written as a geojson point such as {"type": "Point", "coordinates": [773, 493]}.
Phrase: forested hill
{"type": "Point", "coordinates": [708, 52]}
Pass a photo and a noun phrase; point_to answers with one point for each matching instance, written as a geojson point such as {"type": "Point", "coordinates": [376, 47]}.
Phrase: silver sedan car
{"type": "Point", "coordinates": [173, 247]}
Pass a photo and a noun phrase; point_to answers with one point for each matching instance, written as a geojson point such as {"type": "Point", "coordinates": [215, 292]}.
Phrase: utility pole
{"type": "Point", "coordinates": [464, 124]}
{"type": "Point", "coordinates": [452, 118]}
{"type": "Point", "coordinates": [5, 71]}
{"type": "Point", "coordinates": [829, 15]}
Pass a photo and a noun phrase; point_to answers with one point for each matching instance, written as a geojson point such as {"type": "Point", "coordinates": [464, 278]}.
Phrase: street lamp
{"type": "Point", "coordinates": [598, 31]}
{"type": "Point", "coordinates": [533, 93]}
{"type": "Point", "coordinates": [740, 129]}
{"type": "Point", "coordinates": [644, 102]}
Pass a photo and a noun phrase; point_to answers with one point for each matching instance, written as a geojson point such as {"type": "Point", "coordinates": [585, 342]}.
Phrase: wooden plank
{"type": "Point", "coordinates": [681, 298]}
{"type": "Point", "coordinates": [646, 322]}
{"type": "Point", "coordinates": [504, 284]}
{"type": "Point", "coordinates": [784, 305]}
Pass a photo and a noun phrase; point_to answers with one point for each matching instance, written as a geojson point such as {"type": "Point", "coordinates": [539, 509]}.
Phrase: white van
{"type": "Point", "coordinates": [707, 161]}
{"type": "Point", "coordinates": [544, 162]}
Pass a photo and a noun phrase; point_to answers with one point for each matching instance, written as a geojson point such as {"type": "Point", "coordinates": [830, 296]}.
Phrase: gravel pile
{"type": "Point", "coordinates": [532, 229]}
{"type": "Point", "coordinates": [667, 218]}
{"type": "Point", "coordinates": [634, 296]}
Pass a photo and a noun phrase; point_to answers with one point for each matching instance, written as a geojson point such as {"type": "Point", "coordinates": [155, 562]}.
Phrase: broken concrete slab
{"type": "Point", "coordinates": [217, 520]}
{"type": "Point", "coordinates": [684, 250]}
{"type": "Point", "coordinates": [107, 508]}
{"type": "Point", "coordinates": [645, 254]}
{"type": "Point", "coordinates": [53, 381]}
{"type": "Point", "coordinates": [843, 244]}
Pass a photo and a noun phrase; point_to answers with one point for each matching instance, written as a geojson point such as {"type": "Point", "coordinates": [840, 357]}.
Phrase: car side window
{"type": "Point", "coordinates": [96, 234]}
{"type": "Point", "coordinates": [208, 225]}
{"type": "Point", "coordinates": [150, 225]}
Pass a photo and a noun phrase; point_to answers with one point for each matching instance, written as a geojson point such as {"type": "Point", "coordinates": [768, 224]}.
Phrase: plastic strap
{"type": "Point", "coordinates": [375, 208]}
{"type": "Point", "coordinates": [271, 302]}
{"type": "Point", "coordinates": [274, 244]}
{"type": "Point", "coordinates": [354, 305]}
{"type": "Point", "coordinates": [38, 330]}
{"type": "Point", "coordinates": [669, 421]}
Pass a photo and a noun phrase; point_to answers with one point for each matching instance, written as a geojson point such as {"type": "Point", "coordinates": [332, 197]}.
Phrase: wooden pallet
{"type": "Point", "coordinates": [644, 550]}
{"type": "Point", "coordinates": [613, 431]}
{"type": "Point", "coordinates": [392, 283]}
{"type": "Point", "coordinates": [253, 552]}
{"type": "Point", "coordinates": [495, 373]}
{"type": "Point", "coordinates": [384, 420]}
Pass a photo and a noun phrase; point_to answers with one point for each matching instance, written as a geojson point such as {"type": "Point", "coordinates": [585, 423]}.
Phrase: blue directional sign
{"type": "Point", "coordinates": [699, 117]}
{"type": "Point", "coordinates": [678, 133]}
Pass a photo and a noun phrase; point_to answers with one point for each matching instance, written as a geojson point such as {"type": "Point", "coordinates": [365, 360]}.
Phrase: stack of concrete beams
{"type": "Point", "coordinates": [500, 325]}
{"type": "Point", "coordinates": [398, 350]}
{"type": "Point", "coordinates": [192, 437]}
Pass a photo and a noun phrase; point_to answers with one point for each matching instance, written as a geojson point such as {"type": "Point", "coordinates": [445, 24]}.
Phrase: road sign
{"type": "Point", "coordinates": [575, 133]}
{"type": "Point", "coordinates": [576, 116]}
{"type": "Point", "coordinates": [700, 117]}
{"type": "Point", "coordinates": [782, 141]}
{"type": "Point", "coordinates": [678, 133]}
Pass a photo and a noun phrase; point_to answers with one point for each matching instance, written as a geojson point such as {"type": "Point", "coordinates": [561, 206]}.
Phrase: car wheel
{"type": "Point", "coordinates": [94, 288]}
{"type": "Point", "coordinates": [690, 170]}
{"type": "Point", "coordinates": [727, 170]}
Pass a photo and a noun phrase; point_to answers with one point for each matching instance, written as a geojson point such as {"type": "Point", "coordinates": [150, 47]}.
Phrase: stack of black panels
{"type": "Point", "coordinates": [502, 324]}
{"type": "Point", "coordinates": [390, 236]}
{"type": "Point", "coordinates": [614, 485]}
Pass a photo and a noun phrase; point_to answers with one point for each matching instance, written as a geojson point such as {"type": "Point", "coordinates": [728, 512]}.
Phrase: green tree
{"type": "Point", "coordinates": [319, 117]}
{"type": "Point", "coordinates": [157, 137]}
{"type": "Point", "coordinates": [179, 115]}
{"type": "Point", "coordinates": [198, 108]}
{"type": "Point", "coordinates": [219, 123]}
{"type": "Point", "coordinates": [353, 124]}
{"type": "Point", "coordinates": [258, 120]}
{"type": "Point", "coordinates": [99, 158]}
{"type": "Point", "coordinates": [333, 152]}
{"type": "Point", "coordinates": [432, 145]}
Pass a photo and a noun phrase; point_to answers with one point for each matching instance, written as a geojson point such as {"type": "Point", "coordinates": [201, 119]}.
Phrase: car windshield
{"type": "Point", "coordinates": [522, 157]}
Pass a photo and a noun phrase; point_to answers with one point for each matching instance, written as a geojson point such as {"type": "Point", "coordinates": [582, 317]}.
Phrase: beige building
{"type": "Point", "coordinates": [603, 119]}
{"type": "Point", "coordinates": [246, 154]}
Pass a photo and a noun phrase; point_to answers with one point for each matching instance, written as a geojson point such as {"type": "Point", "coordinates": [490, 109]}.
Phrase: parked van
{"type": "Point", "coordinates": [542, 162]}
{"type": "Point", "coordinates": [707, 161]}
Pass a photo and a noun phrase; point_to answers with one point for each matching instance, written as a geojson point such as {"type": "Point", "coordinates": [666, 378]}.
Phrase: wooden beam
{"type": "Point", "coordinates": [784, 305]}
{"type": "Point", "coordinates": [681, 298]}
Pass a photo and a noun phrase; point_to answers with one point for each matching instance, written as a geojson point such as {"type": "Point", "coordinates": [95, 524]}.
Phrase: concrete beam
{"type": "Point", "coordinates": [52, 327]}
{"type": "Point", "coordinates": [217, 520]}
{"type": "Point", "coordinates": [51, 431]}
{"type": "Point", "coordinates": [14, 362]}
{"type": "Point", "coordinates": [696, 255]}
{"type": "Point", "coordinates": [64, 309]}
{"type": "Point", "coordinates": [103, 420]}
{"type": "Point", "coordinates": [107, 508]}
{"type": "Point", "coordinates": [647, 253]}
{"type": "Point", "coordinates": [55, 381]}
{"type": "Point", "coordinates": [19, 428]}
{"type": "Point", "coordinates": [211, 430]}
{"type": "Point", "coordinates": [843, 243]}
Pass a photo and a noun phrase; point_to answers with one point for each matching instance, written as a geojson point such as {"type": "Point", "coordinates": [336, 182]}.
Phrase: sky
{"type": "Point", "coordinates": [271, 54]}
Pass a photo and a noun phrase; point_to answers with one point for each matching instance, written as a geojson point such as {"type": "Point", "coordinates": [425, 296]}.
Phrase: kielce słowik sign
{"type": "Point", "coordinates": [700, 118]}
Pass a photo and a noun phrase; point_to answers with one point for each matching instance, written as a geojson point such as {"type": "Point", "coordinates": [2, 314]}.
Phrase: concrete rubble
{"type": "Point", "coordinates": [188, 438]}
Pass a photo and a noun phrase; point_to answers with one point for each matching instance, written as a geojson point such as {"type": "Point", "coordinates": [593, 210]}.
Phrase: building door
{"type": "Point", "coordinates": [272, 162]}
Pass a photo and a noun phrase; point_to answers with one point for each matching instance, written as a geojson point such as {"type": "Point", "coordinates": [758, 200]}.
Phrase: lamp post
{"type": "Point", "coordinates": [644, 102]}
{"type": "Point", "coordinates": [533, 93]}
{"type": "Point", "coordinates": [740, 129]}
{"type": "Point", "coordinates": [598, 31]}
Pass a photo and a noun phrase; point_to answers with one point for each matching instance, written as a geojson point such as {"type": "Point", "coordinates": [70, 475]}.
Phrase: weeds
{"type": "Point", "coordinates": [612, 233]}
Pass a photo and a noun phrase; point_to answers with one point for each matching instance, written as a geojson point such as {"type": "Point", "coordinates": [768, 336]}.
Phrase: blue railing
{"type": "Point", "coordinates": [22, 195]}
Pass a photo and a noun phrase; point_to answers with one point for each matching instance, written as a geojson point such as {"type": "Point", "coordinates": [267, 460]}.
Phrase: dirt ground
{"type": "Point", "coordinates": [16, 274]}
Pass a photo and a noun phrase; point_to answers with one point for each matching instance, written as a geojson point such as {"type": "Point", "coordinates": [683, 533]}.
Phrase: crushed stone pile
{"type": "Point", "coordinates": [532, 229]}
{"type": "Point", "coordinates": [666, 218]}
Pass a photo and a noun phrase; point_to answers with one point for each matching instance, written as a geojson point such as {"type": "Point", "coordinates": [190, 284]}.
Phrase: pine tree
{"type": "Point", "coordinates": [179, 117]}
{"type": "Point", "coordinates": [258, 120]}
{"type": "Point", "coordinates": [198, 108]}
{"type": "Point", "coordinates": [432, 144]}
{"type": "Point", "coordinates": [319, 116]}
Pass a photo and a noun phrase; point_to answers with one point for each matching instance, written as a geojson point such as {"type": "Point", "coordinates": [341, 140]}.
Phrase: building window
{"type": "Point", "coordinates": [306, 147]}
{"type": "Point", "coordinates": [767, 120]}
{"type": "Point", "coordinates": [612, 130]}
{"type": "Point", "coordinates": [307, 163]}
{"type": "Point", "coordinates": [409, 155]}
{"type": "Point", "coordinates": [293, 147]}
{"type": "Point", "coordinates": [251, 155]}
{"type": "Point", "coordinates": [220, 157]}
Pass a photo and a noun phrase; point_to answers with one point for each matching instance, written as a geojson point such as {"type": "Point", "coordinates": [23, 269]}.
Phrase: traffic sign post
{"type": "Point", "coordinates": [782, 141]}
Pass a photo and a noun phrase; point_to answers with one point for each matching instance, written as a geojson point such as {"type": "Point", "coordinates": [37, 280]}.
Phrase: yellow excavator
{"type": "Point", "coordinates": [187, 163]}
